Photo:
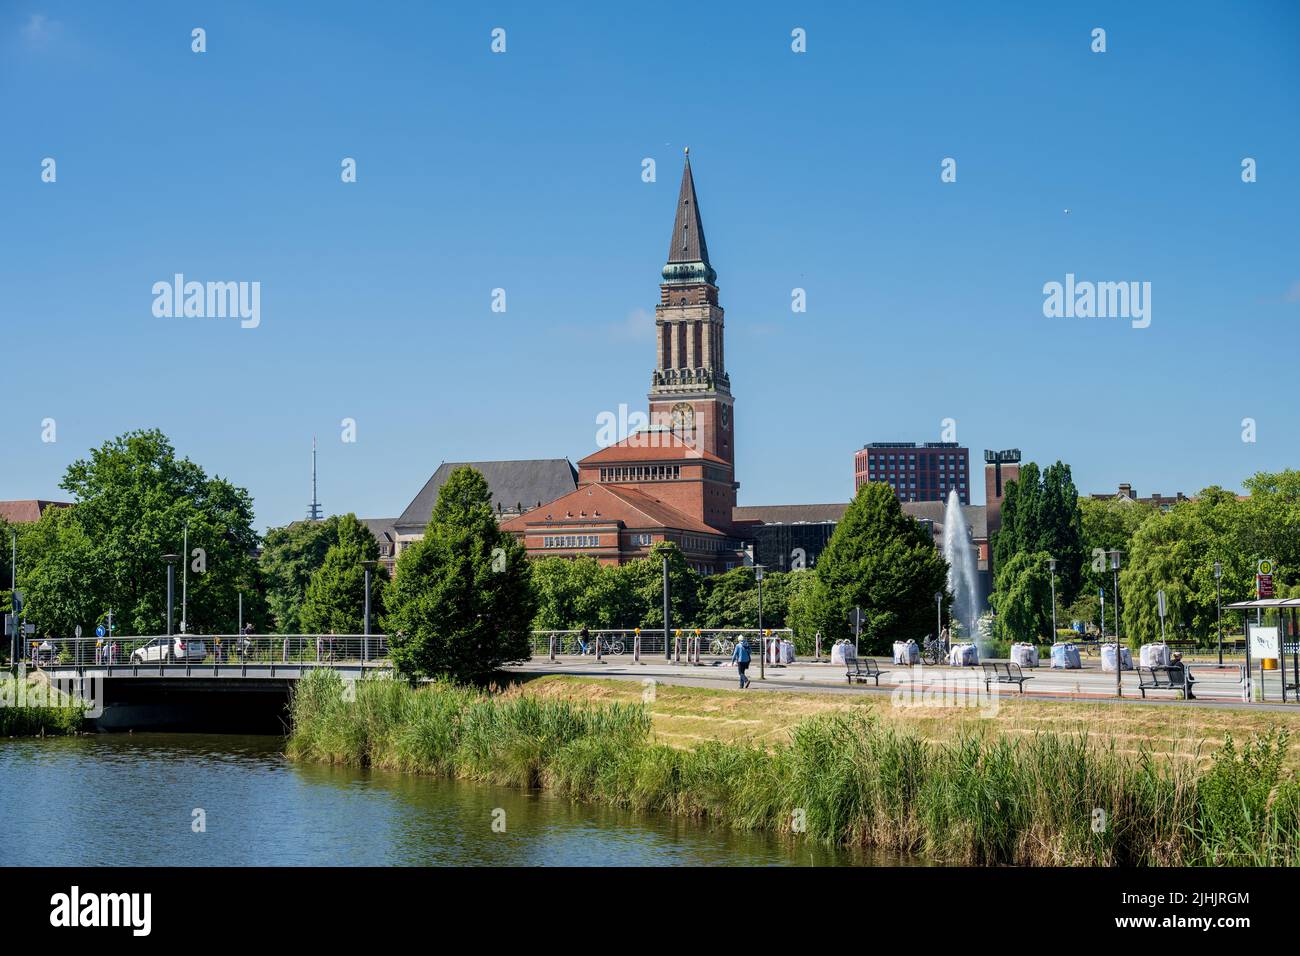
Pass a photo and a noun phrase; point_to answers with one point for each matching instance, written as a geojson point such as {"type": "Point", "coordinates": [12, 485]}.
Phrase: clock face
{"type": "Point", "coordinates": [683, 416]}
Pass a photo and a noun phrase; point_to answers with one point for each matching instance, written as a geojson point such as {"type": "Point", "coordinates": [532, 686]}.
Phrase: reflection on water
{"type": "Point", "coordinates": [131, 799]}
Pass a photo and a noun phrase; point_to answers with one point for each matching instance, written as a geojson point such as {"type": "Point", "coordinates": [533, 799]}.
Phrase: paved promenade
{"type": "Point", "coordinates": [1214, 687]}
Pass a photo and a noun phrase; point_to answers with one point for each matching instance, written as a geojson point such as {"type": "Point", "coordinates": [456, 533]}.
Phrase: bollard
{"type": "Point", "coordinates": [677, 650]}
{"type": "Point", "coordinates": [636, 648]}
{"type": "Point", "coordinates": [552, 647]}
{"type": "Point", "coordinates": [818, 647]}
{"type": "Point", "coordinates": [598, 647]}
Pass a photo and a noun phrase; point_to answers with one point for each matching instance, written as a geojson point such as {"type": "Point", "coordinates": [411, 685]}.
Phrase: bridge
{"type": "Point", "coordinates": [226, 682]}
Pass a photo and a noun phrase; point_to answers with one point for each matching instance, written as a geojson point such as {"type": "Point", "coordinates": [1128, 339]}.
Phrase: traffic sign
{"type": "Point", "coordinates": [1160, 602]}
{"type": "Point", "coordinates": [99, 631]}
{"type": "Point", "coordinates": [856, 617]}
{"type": "Point", "coordinates": [76, 632]}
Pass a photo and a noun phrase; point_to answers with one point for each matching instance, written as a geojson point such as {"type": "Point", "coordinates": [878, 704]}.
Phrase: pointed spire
{"type": "Point", "coordinates": [687, 244]}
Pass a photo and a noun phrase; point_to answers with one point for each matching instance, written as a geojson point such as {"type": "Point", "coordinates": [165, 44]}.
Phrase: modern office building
{"type": "Point", "coordinates": [916, 472]}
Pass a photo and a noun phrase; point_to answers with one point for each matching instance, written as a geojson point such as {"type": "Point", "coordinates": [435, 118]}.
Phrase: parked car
{"type": "Point", "coordinates": [181, 649]}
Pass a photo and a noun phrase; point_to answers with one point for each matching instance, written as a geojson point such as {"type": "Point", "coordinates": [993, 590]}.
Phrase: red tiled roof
{"type": "Point", "coordinates": [27, 511]}
{"type": "Point", "coordinates": [604, 504]}
{"type": "Point", "coordinates": [650, 445]}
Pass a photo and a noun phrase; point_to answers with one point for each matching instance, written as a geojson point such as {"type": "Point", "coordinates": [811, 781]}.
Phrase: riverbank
{"type": "Point", "coordinates": [684, 716]}
{"type": "Point", "coordinates": [30, 707]}
{"type": "Point", "coordinates": [844, 777]}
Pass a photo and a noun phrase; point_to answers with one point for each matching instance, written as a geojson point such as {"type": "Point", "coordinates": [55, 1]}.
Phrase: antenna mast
{"type": "Point", "coordinates": [313, 512]}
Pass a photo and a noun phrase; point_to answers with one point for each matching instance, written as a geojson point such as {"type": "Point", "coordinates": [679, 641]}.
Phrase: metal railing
{"type": "Point", "coordinates": [206, 649]}
{"type": "Point", "coordinates": [684, 644]}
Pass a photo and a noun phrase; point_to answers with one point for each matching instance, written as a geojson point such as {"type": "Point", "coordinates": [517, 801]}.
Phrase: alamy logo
{"type": "Point", "coordinates": [211, 300]}
{"type": "Point", "coordinates": [1103, 300]}
{"type": "Point", "coordinates": [103, 909]}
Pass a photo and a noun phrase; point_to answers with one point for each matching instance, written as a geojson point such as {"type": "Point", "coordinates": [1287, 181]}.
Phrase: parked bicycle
{"type": "Point", "coordinates": [934, 650]}
{"type": "Point", "coordinates": [721, 647]}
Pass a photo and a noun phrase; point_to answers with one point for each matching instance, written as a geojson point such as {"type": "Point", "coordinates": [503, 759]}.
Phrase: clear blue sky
{"type": "Point", "coordinates": [522, 171]}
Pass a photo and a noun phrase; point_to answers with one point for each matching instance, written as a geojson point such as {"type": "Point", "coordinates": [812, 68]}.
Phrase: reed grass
{"type": "Point", "coordinates": [845, 778]}
{"type": "Point", "coordinates": [54, 715]}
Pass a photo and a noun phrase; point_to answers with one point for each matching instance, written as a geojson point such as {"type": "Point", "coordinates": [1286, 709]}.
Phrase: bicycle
{"type": "Point", "coordinates": [721, 647]}
{"type": "Point", "coordinates": [933, 650]}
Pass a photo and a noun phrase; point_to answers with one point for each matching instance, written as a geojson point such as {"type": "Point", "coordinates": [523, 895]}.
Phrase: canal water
{"type": "Point", "coordinates": [131, 799]}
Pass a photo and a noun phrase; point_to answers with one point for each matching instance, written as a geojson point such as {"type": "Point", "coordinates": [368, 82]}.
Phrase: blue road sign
{"type": "Point", "coordinates": [99, 631]}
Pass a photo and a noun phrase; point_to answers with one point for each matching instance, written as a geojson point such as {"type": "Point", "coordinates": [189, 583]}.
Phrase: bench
{"type": "Point", "coordinates": [859, 669]}
{"type": "Point", "coordinates": [1003, 673]}
{"type": "Point", "coordinates": [1165, 677]}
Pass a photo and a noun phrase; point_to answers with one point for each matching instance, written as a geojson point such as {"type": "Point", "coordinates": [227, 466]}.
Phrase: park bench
{"type": "Point", "coordinates": [859, 669]}
{"type": "Point", "coordinates": [1003, 673]}
{"type": "Point", "coordinates": [1164, 677]}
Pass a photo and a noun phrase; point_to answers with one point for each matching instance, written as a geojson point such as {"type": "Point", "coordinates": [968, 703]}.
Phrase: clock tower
{"type": "Point", "coordinates": [690, 392]}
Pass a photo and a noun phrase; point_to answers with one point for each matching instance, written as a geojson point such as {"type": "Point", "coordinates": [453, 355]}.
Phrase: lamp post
{"type": "Point", "coordinates": [1218, 604]}
{"type": "Point", "coordinates": [668, 650]}
{"type": "Point", "coordinates": [1119, 661]}
{"type": "Point", "coordinates": [365, 627]}
{"type": "Point", "coordinates": [13, 597]}
{"type": "Point", "coordinates": [171, 560]}
{"type": "Point", "coordinates": [762, 641]}
{"type": "Point", "coordinates": [185, 578]}
{"type": "Point", "coordinates": [938, 618]}
{"type": "Point", "coordinates": [1051, 566]}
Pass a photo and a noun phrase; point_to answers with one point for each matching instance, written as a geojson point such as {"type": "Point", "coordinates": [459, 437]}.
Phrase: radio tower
{"type": "Point", "coordinates": [313, 512]}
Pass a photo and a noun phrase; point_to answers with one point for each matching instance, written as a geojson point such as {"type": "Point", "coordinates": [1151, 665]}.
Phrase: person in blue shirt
{"type": "Point", "coordinates": [741, 658]}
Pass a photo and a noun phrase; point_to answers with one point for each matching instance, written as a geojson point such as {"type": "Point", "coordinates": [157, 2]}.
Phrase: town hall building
{"type": "Point", "coordinates": [674, 480]}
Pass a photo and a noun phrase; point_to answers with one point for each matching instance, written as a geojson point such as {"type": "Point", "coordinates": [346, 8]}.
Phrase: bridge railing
{"type": "Point", "coordinates": [615, 642]}
{"type": "Point", "coordinates": [198, 649]}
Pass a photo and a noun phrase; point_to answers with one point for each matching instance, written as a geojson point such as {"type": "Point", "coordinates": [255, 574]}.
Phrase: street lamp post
{"type": "Point", "coordinates": [938, 617]}
{"type": "Point", "coordinates": [13, 597]}
{"type": "Point", "coordinates": [171, 560]}
{"type": "Point", "coordinates": [365, 627]}
{"type": "Point", "coordinates": [668, 650]}
{"type": "Point", "coordinates": [1051, 565]}
{"type": "Point", "coordinates": [762, 641]}
{"type": "Point", "coordinates": [185, 578]}
{"type": "Point", "coordinates": [1119, 661]}
{"type": "Point", "coordinates": [1218, 604]}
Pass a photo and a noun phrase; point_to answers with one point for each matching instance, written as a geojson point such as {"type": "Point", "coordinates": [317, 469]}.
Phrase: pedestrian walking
{"type": "Point", "coordinates": [740, 656]}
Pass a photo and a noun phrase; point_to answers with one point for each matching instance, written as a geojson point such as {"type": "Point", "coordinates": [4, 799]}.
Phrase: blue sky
{"type": "Point", "coordinates": [522, 171]}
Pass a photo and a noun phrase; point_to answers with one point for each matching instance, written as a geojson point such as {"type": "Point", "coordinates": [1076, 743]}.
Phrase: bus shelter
{"type": "Point", "coordinates": [1273, 633]}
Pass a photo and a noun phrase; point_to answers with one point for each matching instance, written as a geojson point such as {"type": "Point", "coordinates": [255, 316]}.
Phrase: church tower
{"type": "Point", "coordinates": [690, 391]}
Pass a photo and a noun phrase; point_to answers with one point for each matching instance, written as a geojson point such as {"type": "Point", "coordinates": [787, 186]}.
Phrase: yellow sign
{"type": "Point", "coordinates": [1266, 567]}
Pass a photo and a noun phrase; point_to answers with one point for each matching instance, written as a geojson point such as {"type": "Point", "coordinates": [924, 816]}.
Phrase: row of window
{"type": "Point", "coordinates": [571, 541]}
{"type": "Point", "coordinates": [912, 457]}
{"type": "Point", "coordinates": [641, 473]}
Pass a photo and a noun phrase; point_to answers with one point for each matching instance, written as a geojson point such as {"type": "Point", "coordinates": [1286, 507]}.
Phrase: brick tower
{"type": "Point", "coordinates": [690, 392]}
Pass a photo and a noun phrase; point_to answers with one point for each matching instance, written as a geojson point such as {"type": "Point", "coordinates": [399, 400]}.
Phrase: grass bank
{"type": "Point", "coordinates": [686, 716]}
{"type": "Point", "coordinates": [29, 707]}
{"type": "Point", "coordinates": [844, 777]}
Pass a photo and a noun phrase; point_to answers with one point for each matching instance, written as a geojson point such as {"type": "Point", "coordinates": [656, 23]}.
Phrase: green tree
{"type": "Point", "coordinates": [462, 601]}
{"type": "Point", "coordinates": [133, 498]}
{"type": "Point", "coordinates": [574, 593]}
{"type": "Point", "coordinates": [879, 559]}
{"type": "Point", "coordinates": [1040, 513]}
{"type": "Point", "coordinates": [336, 594]}
{"type": "Point", "coordinates": [290, 555]}
{"type": "Point", "coordinates": [60, 573]}
{"type": "Point", "coordinates": [1108, 524]}
{"type": "Point", "coordinates": [643, 579]}
{"type": "Point", "coordinates": [1175, 551]}
{"type": "Point", "coordinates": [1023, 598]}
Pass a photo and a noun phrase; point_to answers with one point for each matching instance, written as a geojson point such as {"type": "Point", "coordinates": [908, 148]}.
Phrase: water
{"type": "Point", "coordinates": [961, 556]}
{"type": "Point", "coordinates": [128, 799]}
